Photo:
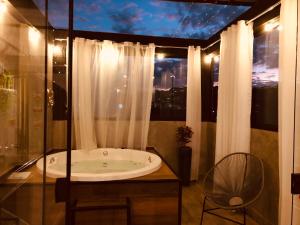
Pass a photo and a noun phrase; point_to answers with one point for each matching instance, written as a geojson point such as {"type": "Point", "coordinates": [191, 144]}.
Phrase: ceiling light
{"type": "Point", "coordinates": [160, 56]}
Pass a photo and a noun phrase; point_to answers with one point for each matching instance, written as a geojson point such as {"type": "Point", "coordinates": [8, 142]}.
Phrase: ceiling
{"type": "Point", "coordinates": [177, 19]}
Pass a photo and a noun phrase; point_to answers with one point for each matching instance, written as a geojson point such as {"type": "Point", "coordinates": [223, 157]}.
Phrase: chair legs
{"type": "Point", "coordinates": [245, 215]}
{"type": "Point", "coordinates": [209, 211]}
{"type": "Point", "coordinates": [203, 208]}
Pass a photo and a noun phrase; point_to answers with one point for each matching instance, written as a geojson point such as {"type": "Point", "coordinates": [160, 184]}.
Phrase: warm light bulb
{"type": "Point", "coordinates": [216, 59]}
{"type": "Point", "coordinates": [33, 35]}
{"type": "Point", "coordinates": [208, 58]}
{"type": "Point", "coordinates": [57, 50]}
{"type": "Point", "coordinates": [268, 27]}
{"type": "Point", "coordinates": [160, 56]}
{"type": "Point", "coordinates": [3, 7]}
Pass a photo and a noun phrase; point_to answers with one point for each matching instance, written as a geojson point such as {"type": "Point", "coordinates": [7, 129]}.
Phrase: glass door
{"type": "Point", "coordinates": [22, 111]}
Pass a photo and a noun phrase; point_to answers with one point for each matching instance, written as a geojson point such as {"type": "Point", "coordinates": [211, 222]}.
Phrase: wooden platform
{"type": "Point", "coordinates": [155, 199]}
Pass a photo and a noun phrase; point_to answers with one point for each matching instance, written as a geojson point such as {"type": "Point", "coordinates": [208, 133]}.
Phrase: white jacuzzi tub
{"type": "Point", "coordinates": [103, 164]}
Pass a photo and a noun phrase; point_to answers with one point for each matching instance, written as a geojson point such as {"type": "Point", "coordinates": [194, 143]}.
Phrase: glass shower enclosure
{"type": "Point", "coordinates": [27, 59]}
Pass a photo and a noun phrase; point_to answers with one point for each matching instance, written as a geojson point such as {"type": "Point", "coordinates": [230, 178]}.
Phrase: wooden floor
{"type": "Point", "coordinates": [192, 206]}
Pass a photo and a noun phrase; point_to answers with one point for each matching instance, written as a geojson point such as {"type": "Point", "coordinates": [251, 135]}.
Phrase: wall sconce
{"type": "Point", "coordinates": [269, 26]}
{"type": "Point", "coordinates": [216, 59]}
{"type": "Point", "coordinates": [33, 35]}
{"type": "Point", "coordinates": [208, 58]}
{"type": "Point", "coordinates": [3, 7]}
{"type": "Point", "coordinates": [160, 56]}
{"type": "Point", "coordinates": [279, 28]}
{"type": "Point", "coordinates": [57, 50]}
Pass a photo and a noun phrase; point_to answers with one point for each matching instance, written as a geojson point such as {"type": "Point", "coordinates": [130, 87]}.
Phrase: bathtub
{"type": "Point", "coordinates": [103, 164]}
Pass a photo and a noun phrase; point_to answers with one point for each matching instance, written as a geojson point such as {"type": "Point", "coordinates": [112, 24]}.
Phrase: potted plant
{"type": "Point", "coordinates": [184, 135]}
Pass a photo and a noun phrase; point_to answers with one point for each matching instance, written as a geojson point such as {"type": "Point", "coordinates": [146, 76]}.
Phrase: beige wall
{"type": "Point", "coordinates": [162, 136]}
{"type": "Point", "coordinates": [264, 144]}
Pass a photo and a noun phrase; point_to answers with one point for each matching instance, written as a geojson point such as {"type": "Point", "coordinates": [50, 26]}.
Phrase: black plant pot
{"type": "Point", "coordinates": [184, 164]}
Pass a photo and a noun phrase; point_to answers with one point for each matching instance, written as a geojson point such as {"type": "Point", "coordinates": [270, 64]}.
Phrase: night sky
{"type": "Point", "coordinates": [153, 18]}
{"type": "Point", "coordinates": [265, 61]}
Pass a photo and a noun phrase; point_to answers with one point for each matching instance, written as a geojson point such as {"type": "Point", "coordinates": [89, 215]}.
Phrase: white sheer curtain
{"type": "Point", "coordinates": [234, 94]}
{"type": "Point", "coordinates": [286, 86]}
{"type": "Point", "coordinates": [193, 107]}
{"type": "Point", "coordinates": [112, 86]}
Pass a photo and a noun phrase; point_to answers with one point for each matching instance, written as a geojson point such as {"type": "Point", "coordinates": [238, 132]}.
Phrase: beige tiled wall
{"type": "Point", "coordinates": [264, 144]}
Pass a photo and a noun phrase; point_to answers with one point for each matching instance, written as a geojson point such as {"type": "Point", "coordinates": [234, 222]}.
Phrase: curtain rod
{"type": "Point", "coordinates": [161, 46]}
{"type": "Point", "coordinates": [249, 21]}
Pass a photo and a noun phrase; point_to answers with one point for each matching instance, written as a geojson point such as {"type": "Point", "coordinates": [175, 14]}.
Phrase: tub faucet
{"type": "Point", "coordinates": [52, 160]}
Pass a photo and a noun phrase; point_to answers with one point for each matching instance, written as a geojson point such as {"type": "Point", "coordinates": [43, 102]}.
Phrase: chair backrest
{"type": "Point", "coordinates": [235, 181]}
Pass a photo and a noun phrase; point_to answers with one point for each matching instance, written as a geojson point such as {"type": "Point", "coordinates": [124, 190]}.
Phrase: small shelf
{"type": "Point", "coordinates": [8, 90]}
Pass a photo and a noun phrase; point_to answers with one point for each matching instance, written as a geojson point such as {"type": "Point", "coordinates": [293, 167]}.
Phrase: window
{"type": "Point", "coordinates": [265, 81]}
{"type": "Point", "coordinates": [264, 112]}
{"type": "Point", "coordinates": [215, 67]}
{"type": "Point", "coordinates": [169, 96]}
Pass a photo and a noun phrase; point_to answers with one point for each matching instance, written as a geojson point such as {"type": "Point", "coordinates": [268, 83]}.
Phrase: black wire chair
{"type": "Point", "coordinates": [234, 183]}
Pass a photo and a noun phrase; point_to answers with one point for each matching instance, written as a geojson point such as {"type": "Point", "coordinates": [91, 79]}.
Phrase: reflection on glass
{"type": "Point", "coordinates": [22, 81]}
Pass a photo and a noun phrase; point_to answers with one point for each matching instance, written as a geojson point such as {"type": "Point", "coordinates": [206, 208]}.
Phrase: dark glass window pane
{"type": "Point", "coordinates": [169, 96]}
{"type": "Point", "coordinates": [265, 81]}
{"type": "Point", "coordinates": [264, 112]}
{"type": "Point", "coordinates": [216, 74]}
